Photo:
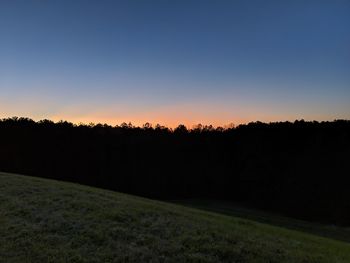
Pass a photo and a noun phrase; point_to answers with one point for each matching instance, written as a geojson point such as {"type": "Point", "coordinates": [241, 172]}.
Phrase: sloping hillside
{"type": "Point", "coordinates": [49, 221]}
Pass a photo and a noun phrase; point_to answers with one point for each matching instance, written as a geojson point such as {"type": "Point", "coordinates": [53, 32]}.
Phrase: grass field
{"type": "Point", "coordinates": [49, 221]}
{"type": "Point", "coordinates": [237, 210]}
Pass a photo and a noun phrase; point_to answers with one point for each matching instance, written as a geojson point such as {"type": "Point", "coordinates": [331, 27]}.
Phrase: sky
{"type": "Point", "coordinates": [171, 62]}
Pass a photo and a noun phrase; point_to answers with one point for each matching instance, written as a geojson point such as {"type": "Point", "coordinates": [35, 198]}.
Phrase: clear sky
{"type": "Point", "coordinates": [170, 62]}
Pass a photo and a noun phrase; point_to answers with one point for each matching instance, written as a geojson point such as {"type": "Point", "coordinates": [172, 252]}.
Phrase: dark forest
{"type": "Point", "coordinates": [298, 169]}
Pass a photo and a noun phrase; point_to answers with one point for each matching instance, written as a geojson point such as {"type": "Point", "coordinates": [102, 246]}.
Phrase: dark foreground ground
{"type": "Point", "coordinates": [48, 221]}
{"type": "Point", "coordinates": [267, 217]}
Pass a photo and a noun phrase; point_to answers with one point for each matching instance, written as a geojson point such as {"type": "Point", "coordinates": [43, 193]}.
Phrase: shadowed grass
{"type": "Point", "coordinates": [237, 210]}
{"type": "Point", "coordinates": [49, 221]}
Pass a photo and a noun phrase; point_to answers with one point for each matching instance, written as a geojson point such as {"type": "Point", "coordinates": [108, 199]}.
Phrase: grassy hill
{"type": "Point", "coordinates": [237, 210]}
{"type": "Point", "coordinates": [49, 221]}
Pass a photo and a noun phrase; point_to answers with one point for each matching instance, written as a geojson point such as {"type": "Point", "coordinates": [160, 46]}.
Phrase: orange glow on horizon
{"type": "Point", "coordinates": [170, 115]}
{"type": "Point", "coordinates": [141, 121]}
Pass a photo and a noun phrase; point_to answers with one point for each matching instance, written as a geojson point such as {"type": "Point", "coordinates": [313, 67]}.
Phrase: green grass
{"type": "Point", "coordinates": [49, 221]}
{"type": "Point", "coordinates": [237, 210]}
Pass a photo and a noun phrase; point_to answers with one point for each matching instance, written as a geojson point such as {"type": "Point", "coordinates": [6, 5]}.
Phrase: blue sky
{"type": "Point", "coordinates": [175, 62]}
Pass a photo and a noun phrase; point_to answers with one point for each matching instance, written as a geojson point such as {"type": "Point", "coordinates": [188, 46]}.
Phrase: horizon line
{"type": "Point", "coordinates": [154, 125]}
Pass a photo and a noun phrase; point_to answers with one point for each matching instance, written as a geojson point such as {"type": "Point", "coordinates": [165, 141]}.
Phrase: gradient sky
{"type": "Point", "coordinates": [171, 62]}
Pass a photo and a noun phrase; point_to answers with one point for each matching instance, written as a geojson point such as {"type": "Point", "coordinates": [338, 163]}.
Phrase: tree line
{"type": "Point", "coordinates": [299, 169]}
